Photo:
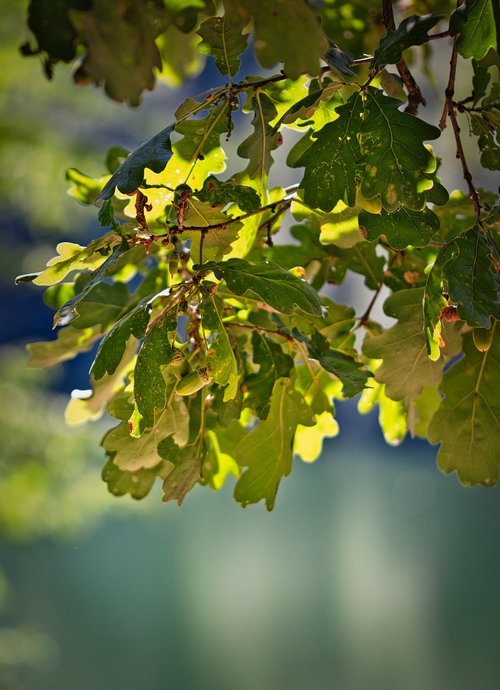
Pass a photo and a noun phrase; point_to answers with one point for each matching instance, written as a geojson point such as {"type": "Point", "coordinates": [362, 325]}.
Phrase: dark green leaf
{"type": "Point", "coordinates": [470, 266]}
{"type": "Point", "coordinates": [188, 463]}
{"type": "Point", "coordinates": [112, 348]}
{"type": "Point", "coordinates": [402, 228]}
{"type": "Point", "coordinates": [274, 364]}
{"type": "Point", "coordinates": [149, 384]}
{"type": "Point", "coordinates": [102, 305]}
{"type": "Point", "coordinates": [267, 282]}
{"type": "Point", "coordinates": [121, 52]}
{"type": "Point", "coordinates": [331, 162]}
{"type": "Point", "coordinates": [153, 154]}
{"type": "Point", "coordinates": [218, 193]}
{"type": "Point", "coordinates": [478, 23]}
{"type": "Point", "coordinates": [395, 158]}
{"type": "Point", "coordinates": [411, 32]}
{"type": "Point", "coordinates": [343, 366]}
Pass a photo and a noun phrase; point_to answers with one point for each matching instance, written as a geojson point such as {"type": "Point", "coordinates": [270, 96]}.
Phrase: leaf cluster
{"type": "Point", "coordinates": [222, 349]}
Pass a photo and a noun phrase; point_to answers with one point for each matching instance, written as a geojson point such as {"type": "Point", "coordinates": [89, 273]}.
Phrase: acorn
{"type": "Point", "coordinates": [192, 382]}
{"type": "Point", "coordinates": [482, 337]}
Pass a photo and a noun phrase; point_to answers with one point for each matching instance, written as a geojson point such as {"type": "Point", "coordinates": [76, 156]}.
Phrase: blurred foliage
{"type": "Point", "coordinates": [48, 473]}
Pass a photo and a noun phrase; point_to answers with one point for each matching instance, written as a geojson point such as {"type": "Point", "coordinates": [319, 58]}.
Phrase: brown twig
{"type": "Point", "coordinates": [449, 110]}
{"type": "Point", "coordinates": [365, 317]}
{"type": "Point", "coordinates": [415, 96]}
{"type": "Point", "coordinates": [220, 226]}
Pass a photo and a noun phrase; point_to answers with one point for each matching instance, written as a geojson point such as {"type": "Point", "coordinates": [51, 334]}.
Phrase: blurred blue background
{"type": "Point", "coordinates": [373, 571]}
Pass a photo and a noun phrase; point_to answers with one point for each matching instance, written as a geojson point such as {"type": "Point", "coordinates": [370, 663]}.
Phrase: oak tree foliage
{"type": "Point", "coordinates": [210, 297]}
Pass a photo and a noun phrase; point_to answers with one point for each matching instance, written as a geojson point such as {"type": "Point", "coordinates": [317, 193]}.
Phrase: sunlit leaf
{"type": "Point", "coordinates": [468, 418]}
{"type": "Point", "coordinates": [406, 368]}
{"type": "Point", "coordinates": [266, 452]}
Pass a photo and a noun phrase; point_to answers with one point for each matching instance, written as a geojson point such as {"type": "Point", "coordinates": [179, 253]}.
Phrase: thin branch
{"type": "Point", "coordinates": [449, 110]}
{"type": "Point", "coordinates": [261, 329]}
{"type": "Point", "coordinates": [220, 226]}
{"type": "Point", "coordinates": [415, 96]}
{"type": "Point", "coordinates": [365, 317]}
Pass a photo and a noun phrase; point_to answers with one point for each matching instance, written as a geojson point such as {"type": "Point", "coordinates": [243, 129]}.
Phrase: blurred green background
{"type": "Point", "coordinates": [374, 570]}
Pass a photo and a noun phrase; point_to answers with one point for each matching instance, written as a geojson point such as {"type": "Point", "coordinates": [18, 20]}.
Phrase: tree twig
{"type": "Point", "coordinates": [415, 96]}
{"type": "Point", "coordinates": [449, 111]}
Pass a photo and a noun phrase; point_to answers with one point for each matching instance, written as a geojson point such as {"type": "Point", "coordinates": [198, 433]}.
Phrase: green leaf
{"type": "Point", "coordinates": [133, 453]}
{"type": "Point", "coordinates": [223, 365]}
{"type": "Point", "coordinates": [394, 157]}
{"type": "Point", "coordinates": [195, 155]}
{"type": "Point", "coordinates": [468, 418]}
{"type": "Point", "coordinates": [74, 257]}
{"type": "Point", "coordinates": [112, 347]}
{"type": "Point", "coordinates": [84, 188]}
{"type": "Point", "coordinates": [223, 38]}
{"type": "Point", "coordinates": [218, 193]}
{"type": "Point", "coordinates": [362, 258]}
{"type": "Point", "coordinates": [267, 450]}
{"type": "Point", "coordinates": [342, 365]}
{"type": "Point", "coordinates": [308, 440]}
{"type": "Point", "coordinates": [54, 31]}
{"type": "Point", "coordinates": [153, 154]}
{"type": "Point", "coordinates": [138, 484]}
{"type": "Point", "coordinates": [68, 311]}
{"type": "Point", "coordinates": [89, 404]}
{"type": "Point", "coordinates": [478, 23]}
{"type": "Point", "coordinates": [201, 215]}
{"type": "Point", "coordinates": [273, 364]}
{"type": "Point", "coordinates": [187, 467]}
{"type": "Point", "coordinates": [486, 125]}
{"type": "Point", "coordinates": [121, 49]}
{"type": "Point", "coordinates": [69, 343]}
{"type": "Point", "coordinates": [411, 32]}
{"type": "Point", "coordinates": [267, 282]}
{"type": "Point", "coordinates": [102, 305]}
{"type": "Point", "coordinates": [219, 461]}
{"type": "Point", "coordinates": [469, 264]}
{"type": "Point", "coordinates": [150, 389]}
{"type": "Point", "coordinates": [264, 139]}
{"type": "Point", "coordinates": [290, 33]}
{"type": "Point", "coordinates": [406, 368]}
{"type": "Point", "coordinates": [331, 162]}
{"type": "Point", "coordinates": [402, 228]}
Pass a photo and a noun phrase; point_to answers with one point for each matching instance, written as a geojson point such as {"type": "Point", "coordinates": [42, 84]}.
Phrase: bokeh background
{"type": "Point", "coordinates": [374, 570]}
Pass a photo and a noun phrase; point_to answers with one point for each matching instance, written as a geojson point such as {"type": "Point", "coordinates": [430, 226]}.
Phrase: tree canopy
{"type": "Point", "coordinates": [211, 294]}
